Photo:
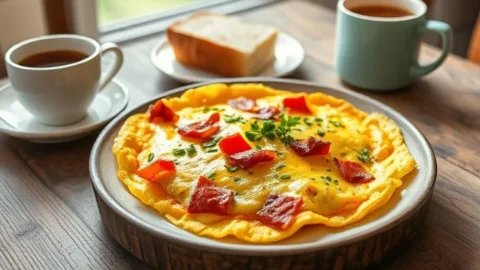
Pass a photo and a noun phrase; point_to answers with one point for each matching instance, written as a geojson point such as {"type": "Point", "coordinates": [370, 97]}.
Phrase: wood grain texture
{"type": "Point", "coordinates": [46, 195]}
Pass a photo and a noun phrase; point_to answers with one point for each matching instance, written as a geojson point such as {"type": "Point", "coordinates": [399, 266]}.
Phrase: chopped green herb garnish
{"type": "Point", "coordinates": [237, 179]}
{"type": "Point", "coordinates": [297, 129]}
{"type": "Point", "coordinates": [191, 150]}
{"type": "Point", "coordinates": [236, 194]}
{"type": "Point", "coordinates": [151, 156]}
{"type": "Point", "coordinates": [212, 142]}
{"type": "Point", "coordinates": [279, 166]}
{"type": "Point", "coordinates": [231, 169]}
{"type": "Point", "coordinates": [179, 152]}
{"type": "Point", "coordinates": [336, 123]}
{"type": "Point", "coordinates": [318, 119]}
{"type": "Point", "coordinates": [329, 179]}
{"type": "Point", "coordinates": [232, 118]}
{"type": "Point", "coordinates": [320, 132]}
{"type": "Point", "coordinates": [256, 133]}
{"type": "Point", "coordinates": [211, 176]}
{"type": "Point", "coordinates": [212, 150]}
{"type": "Point", "coordinates": [284, 176]}
{"type": "Point", "coordinates": [257, 147]}
{"type": "Point", "coordinates": [284, 128]}
{"type": "Point", "coordinates": [307, 121]}
{"type": "Point", "coordinates": [364, 155]}
{"type": "Point", "coordinates": [335, 181]}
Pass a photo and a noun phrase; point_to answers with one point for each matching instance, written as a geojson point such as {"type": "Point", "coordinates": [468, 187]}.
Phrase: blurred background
{"type": "Point", "coordinates": [108, 19]}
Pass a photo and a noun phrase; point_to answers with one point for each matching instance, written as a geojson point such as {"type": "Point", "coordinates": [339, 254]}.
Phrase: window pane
{"type": "Point", "coordinates": [111, 11]}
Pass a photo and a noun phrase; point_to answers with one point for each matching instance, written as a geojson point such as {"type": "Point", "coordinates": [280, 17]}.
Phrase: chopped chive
{"type": "Point", "coordinates": [335, 181]}
{"type": "Point", "coordinates": [284, 176]}
{"type": "Point", "coordinates": [364, 155]}
{"type": "Point", "coordinates": [212, 150]}
{"type": "Point", "coordinates": [307, 121]}
{"type": "Point", "coordinates": [336, 123]}
{"type": "Point", "coordinates": [318, 119]}
{"type": "Point", "coordinates": [151, 156]}
{"type": "Point", "coordinates": [179, 152]}
{"type": "Point", "coordinates": [320, 132]}
{"type": "Point", "coordinates": [191, 150]}
{"type": "Point", "coordinates": [232, 118]}
{"type": "Point", "coordinates": [231, 169]}
{"type": "Point", "coordinates": [279, 166]}
{"type": "Point", "coordinates": [211, 176]}
{"type": "Point", "coordinates": [258, 147]}
{"type": "Point", "coordinates": [210, 143]}
{"type": "Point", "coordinates": [237, 179]}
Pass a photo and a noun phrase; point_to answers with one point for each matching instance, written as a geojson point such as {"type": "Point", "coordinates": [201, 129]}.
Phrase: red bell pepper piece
{"type": "Point", "coordinates": [298, 104]}
{"type": "Point", "coordinates": [201, 130]}
{"type": "Point", "coordinates": [310, 147]}
{"type": "Point", "coordinates": [266, 113]}
{"type": "Point", "coordinates": [233, 144]}
{"type": "Point", "coordinates": [242, 103]}
{"type": "Point", "coordinates": [279, 211]}
{"type": "Point", "coordinates": [248, 159]}
{"type": "Point", "coordinates": [208, 198]}
{"type": "Point", "coordinates": [156, 170]}
{"type": "Point", "coordinates": [352, 171]}
{"type": "Point", "coordinates": [162, 111]}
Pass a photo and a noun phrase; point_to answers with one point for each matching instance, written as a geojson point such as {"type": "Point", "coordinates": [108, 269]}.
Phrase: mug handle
{"type": "Point", "coordinates": [113, 69]}
{"type": "Point", "coordinates": [445, 33]}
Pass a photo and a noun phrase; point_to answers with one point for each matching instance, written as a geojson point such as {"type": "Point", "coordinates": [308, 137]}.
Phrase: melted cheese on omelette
{"type": "Point", "coordinates": [327, 198]}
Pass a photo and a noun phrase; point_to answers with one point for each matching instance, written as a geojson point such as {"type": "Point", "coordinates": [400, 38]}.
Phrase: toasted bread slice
{"type": "Point", "coordinates": [223, 45]}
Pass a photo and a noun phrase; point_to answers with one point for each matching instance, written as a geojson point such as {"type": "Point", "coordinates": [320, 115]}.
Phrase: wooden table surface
{"type": "Point", "coordinates": [49, 218]}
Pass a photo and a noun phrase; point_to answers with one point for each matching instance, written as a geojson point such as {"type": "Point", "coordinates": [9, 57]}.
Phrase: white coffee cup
{"type": "Point", "coordinates": [60, 95]}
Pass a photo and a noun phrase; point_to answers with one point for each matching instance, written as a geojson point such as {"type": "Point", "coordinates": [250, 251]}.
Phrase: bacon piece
{"type": "Point", "coordinates": [279, 211]}
{"type": "Point", "coordinates": [352, 171]}
{"type": "Point", "coordinates": [248, 159]}
{"type": "Point", "coordinates": [297, 104]}
{"type": "Point", "coordinates": [242, 103]}
{"type": "Point", "coordinates": [233, 144]}
{"type": "Point", "coordinates": [208, 198]}
{"type": "Point", "coordinates": [310, 147]}
{"type": "Point", "coordinates": [157, 170]}
{"type": "Point", "coordinates": [266, 113]}
{"type": "Point", "coordinates": [201, 130]}
{"type": "Point", "coordinates": [162, 111]}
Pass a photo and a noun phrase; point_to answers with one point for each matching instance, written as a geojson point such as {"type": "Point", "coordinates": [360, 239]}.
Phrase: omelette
{"type": "Point", "coordinates": [258, 163]}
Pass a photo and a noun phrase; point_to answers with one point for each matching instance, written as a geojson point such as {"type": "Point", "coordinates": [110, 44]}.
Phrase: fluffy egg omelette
{"type": "Point", "coordinates": [258, 163]}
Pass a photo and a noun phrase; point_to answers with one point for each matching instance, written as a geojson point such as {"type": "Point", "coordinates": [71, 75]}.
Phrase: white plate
{"type": "Point", "coordinates": [16, 121]}
{"type": "Point", "coordinates": [289, 55]}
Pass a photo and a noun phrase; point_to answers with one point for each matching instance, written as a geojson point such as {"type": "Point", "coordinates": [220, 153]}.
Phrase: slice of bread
{"type": "Point", "coordinates": [223, 45]}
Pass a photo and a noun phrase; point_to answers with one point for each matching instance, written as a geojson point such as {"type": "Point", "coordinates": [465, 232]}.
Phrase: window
{"type": "Point", "coordinates": [112, 11]}
{"type": "Point", "coordinates": [117, 21]}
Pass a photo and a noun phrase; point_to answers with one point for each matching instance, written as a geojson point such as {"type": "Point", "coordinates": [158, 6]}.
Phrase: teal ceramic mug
{"type": "Point", "coordinates": [380, 53]}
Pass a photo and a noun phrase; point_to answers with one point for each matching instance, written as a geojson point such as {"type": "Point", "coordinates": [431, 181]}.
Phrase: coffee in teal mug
{"type": "Point", "coordinates": [381, 52]}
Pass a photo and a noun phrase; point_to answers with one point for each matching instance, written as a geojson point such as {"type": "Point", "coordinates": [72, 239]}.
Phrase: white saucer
{"type": "Point", "coordinates": [16, 121]}
{"type": "Point", "coordinates": [289, 55]}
